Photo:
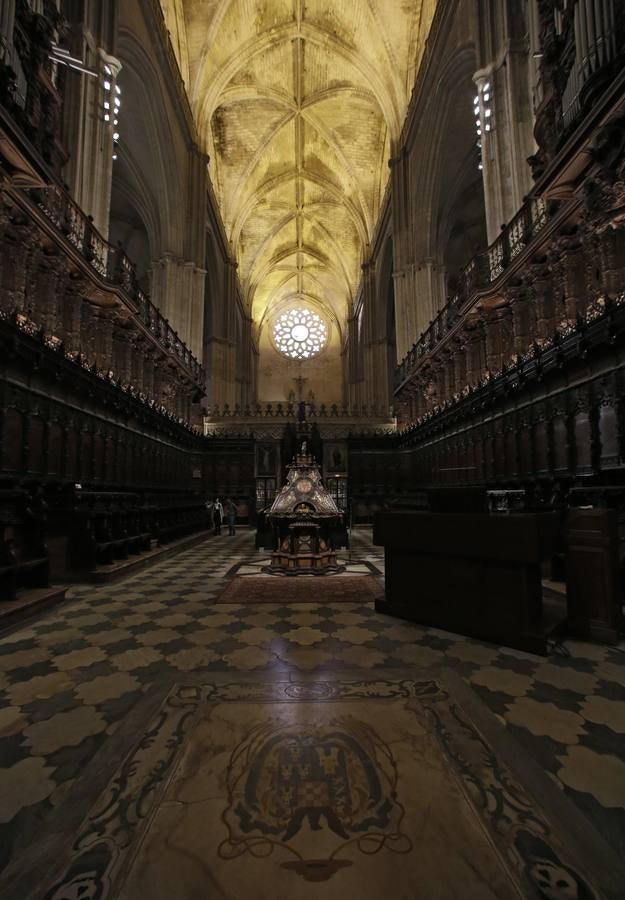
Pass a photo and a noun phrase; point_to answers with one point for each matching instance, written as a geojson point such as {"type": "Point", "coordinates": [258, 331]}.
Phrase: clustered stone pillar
{"type": "Point", "coordinates": [419, 286]}
{"type": "Point", "coordinates": [87, 133]}
{"type": "Point", "coordinates": [502, 87]}
{"type": "Point", "coordinates": [375, 347]}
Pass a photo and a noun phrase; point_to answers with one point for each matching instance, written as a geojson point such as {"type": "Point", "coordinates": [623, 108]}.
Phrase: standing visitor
{"type": "Point", "coordinates": [231, 515]}
{"type": "Point", "coordinates": [218, 515]}
{"type": "Point", "coordinates": [210, 514]}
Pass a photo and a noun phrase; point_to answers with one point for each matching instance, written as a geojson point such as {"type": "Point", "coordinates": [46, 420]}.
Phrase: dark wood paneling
{"type": "Point", "coordinates": [13, 439]}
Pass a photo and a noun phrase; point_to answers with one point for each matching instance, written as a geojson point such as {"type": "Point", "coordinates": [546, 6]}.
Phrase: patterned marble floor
{"type": "Point", "coordinates": [69, 682]}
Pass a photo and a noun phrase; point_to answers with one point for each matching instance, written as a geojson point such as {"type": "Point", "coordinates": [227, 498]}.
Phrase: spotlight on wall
{"type": "Point", "coordinates": [483, 112]}
{"type": "Point", "coordinates": [111, 103]}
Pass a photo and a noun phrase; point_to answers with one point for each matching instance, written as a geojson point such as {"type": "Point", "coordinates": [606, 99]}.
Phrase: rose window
{"type": "Point", "coordinates": [300, 333]}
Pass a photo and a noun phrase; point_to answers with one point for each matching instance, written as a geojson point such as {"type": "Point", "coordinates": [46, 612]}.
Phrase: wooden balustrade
{"type": "Point", "coordinates": [485, 271]}
{"type": "Point", "coordinates": [111, 263]}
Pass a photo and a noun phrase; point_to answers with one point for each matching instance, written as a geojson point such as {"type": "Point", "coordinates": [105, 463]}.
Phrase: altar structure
{"type": "Point", "coordinates": [303, 515]}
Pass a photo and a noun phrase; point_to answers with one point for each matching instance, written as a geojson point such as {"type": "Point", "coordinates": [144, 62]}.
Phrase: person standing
{"type": "Point", "coordinates": [231, 516]}
{"type": "Point", "coordinates": [218, 515]}
{"type": "Point", "coordinates": [210, 514]}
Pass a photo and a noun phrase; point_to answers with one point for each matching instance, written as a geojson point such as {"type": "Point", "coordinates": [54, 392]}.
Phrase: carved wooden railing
{"type": "Point", "coordinates": [106, 377]}
{"type": "Point", "coordinates": [113, 265]}
{"type": "Point", "coordinates": [30, 102]}
{"type": "Point", "coordinates": [482, 272]}
{"type": "Point", "coordinates": [602, 323]}
{"type": "Point", "coordinates": [291, 410]}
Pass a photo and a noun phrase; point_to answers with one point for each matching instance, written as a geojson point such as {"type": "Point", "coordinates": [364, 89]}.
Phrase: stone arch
{"type": "Point", "coordinates": [450, 166]}
{"type": "Point", "coordinates": [132, 219]}
{"type": "Point", "coordinates": [147, 154]}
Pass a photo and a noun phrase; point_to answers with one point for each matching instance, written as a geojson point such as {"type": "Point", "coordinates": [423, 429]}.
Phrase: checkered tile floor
{"type": "Point", "coordinates": [68, 681]}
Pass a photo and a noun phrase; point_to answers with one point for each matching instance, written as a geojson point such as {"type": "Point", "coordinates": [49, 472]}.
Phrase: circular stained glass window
{"type": "Point", "coordinates": [300, 333]}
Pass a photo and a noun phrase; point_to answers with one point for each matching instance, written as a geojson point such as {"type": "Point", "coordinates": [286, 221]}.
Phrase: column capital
{"type": "Point", "coordinates": [114, 64]}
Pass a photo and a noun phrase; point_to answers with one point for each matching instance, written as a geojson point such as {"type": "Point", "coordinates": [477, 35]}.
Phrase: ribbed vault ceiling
{"type": "Point", "coordinates": [299, 103]}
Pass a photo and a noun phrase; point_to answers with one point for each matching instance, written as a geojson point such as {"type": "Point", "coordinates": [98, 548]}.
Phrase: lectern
{"type": "Point", "coordinates": [477, 574]}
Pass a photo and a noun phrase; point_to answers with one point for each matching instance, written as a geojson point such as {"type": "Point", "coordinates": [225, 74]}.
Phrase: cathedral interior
{"type": "Point", "coordinates": [312, 449]}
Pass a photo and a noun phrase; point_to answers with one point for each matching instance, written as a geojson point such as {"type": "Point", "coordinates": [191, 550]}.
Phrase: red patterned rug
{"type": "Point", "coordinates": [285, 589]}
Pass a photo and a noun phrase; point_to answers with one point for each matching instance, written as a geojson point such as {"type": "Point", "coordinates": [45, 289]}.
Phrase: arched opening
{"type": "Point", "coordinates": [127, 228]}
{"type": "Point", "coordinates": [460, 222]}
{"type": "Point", "coordinates": [465, 231]}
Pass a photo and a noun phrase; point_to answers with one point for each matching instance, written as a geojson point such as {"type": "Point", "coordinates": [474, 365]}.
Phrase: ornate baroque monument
{"type": "Point", "coordinates": [303, 514]}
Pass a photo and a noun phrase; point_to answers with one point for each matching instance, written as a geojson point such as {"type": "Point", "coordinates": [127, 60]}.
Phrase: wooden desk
{"type": "Point", "coordinates": [472, 573]}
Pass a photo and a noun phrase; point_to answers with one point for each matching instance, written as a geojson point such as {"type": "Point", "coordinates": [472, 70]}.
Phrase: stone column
{"type": "Point", "coordinates": [419, 287]}
{"type": "Point", "coordinates": [195, 250]}
{"type": "Point", "coordinates": [225, 351]}
{"type": "Point", "coordinates": [377, 390]}
{"type": "Point", "coordinates": [88, 135]}
{"type": "Point", "coordinates": [177, 290]}
{"type": "Point", "coordinates": [430, 292]}
{"type": "Point", "coordinates": [505, 113]}
{"type": "Point", "coordinates": [247, 388]}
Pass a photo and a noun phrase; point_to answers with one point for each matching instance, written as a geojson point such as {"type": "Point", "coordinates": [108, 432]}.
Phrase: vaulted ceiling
{"type": "Point", "coordinates": [299, 103]}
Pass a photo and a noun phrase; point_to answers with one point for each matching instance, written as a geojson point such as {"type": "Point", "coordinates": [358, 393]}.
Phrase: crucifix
{"type": "Point", "coordinates": [300, 382]}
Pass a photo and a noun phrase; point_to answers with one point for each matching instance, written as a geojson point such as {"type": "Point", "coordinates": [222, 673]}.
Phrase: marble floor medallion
{"type": "Point", "coordinates": [276, 790]}
{"type": "Point", "coordinates": [286, 781]}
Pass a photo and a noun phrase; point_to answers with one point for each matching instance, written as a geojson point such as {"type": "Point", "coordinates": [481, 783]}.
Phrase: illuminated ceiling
{"type": "Point", "coordinates": [299, 104]}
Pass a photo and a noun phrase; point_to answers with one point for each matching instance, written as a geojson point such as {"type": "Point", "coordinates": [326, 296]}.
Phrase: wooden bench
{"type": "Point", "coordinates": [24, 559]}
